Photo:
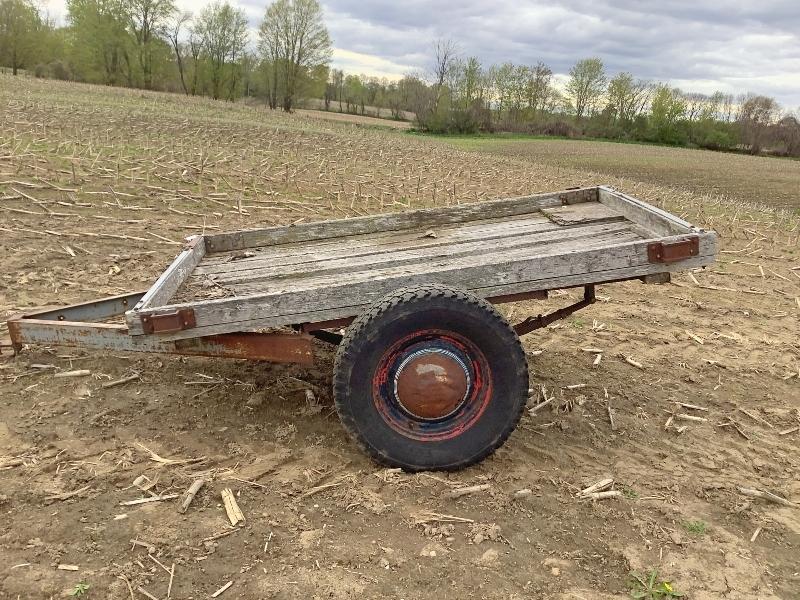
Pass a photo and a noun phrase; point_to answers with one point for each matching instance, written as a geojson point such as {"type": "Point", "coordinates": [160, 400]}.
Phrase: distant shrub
{"type": "Point", "coordinates": [558, 128]}
{"type": "Point", "coordinates": [60, 70]}
{"type": "Point", "coordinates": [717, 140]}
{"type": "Point", "coordinates": [41, 71]}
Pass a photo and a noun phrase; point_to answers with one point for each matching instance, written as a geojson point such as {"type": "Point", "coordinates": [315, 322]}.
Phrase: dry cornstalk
{"type": "Point", "coordinates": [540, 406]}
{"type": "Point", "coordinates": [756, 418]}
{"type": "Point", "coordinates": [148, 500]}
{"type": "Point", "coordinates": [147, 545]}
{"type": "Point", "coordinates": [600, 486]}
{"type": "Point", "coordinates": [603, 495]}
{"type": "Point", "coordinates": [731, 423]}
{"type": "Point", "coordinates": [169, 461]}
{"type": "Point", "coordinates": [123, 381]}
{"type": "Point", "coordinates": [222, 590]}
{"type": "Point", "coordinates": [66, 374]}
{"type": "Point", "coordinates": [232, 508]}
{"type": "Point", "coordinates": [432, 517]}
{"type": "Point", "coordinates": [753, 493]}
{"type": "Point", "coordinates": [325, 486]}
{"type": "Point", "coordinates": [633, 363]}
{"type": "Point", "coordinates": [67, 495]}
{"type": "Point", "coordinates": [691, 406]}
{"type": "Point", "coordinates": [146, 593]}
{"type": "Point", "coordinates": [685, 417]}
{"type": "Point", "coordinates": [473, 489]}
{"type": "Point", "coordinates": [697, 339]}
{"type": "Point", "coordinates": [190, 494]}
{"type": "Point", "coordinates": [610, 412]}
{"type": "Point", "coordinates": [755, 535]}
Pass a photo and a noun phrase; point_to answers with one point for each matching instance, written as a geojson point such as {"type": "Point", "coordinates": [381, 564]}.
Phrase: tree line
{"type": "Point", "coordinates": [150, 44]}
{"type": "Point", "coordinates": [466, 97]}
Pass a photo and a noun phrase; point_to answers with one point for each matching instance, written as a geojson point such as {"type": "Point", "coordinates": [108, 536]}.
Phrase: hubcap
{"type": "Point", "coordinates": [432, 383]}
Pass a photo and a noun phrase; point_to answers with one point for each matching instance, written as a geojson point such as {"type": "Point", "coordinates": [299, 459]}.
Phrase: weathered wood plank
{"type": "Point", "coordinates": [418, 259]}
{"type": "Point", "coordinates": [374, 244]}
{"type": "Point", "coordinates": [579, 214]}
{"type": "Point", "coordinates": [605, 263]}
{"type": "Point", "coordinates": [430, 217]}
{"type": "Point", "coordinates": [173, 278]}
{"type": "Point", "coordinates": [651, 218]}
{"type": "Point", "coordinates": [488, 260]}
{"type": "Point", "coordinates": [371, 244]}
{"type": "Point", "coordinates": [378, 238]}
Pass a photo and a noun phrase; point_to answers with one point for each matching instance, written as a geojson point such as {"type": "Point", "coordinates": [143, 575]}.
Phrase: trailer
{"type": "Point", "coordinates": [428, 374]}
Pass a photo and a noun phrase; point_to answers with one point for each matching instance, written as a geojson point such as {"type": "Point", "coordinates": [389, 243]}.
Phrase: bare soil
{"type": "Point", "coordinates": [98, 186]}
{"type": "Point", "coordinates": [355, 119]}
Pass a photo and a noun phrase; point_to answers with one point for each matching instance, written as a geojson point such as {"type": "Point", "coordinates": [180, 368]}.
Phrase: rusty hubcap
{"type": "Point", "coordinates": [431, 384]}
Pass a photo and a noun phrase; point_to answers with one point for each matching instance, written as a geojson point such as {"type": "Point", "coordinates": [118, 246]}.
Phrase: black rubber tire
{"type": "Point", "coordinates": [386, 322]}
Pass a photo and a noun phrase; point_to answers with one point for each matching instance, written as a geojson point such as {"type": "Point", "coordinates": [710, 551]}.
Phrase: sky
{"type": "Point", "coordinates": [698, 45]}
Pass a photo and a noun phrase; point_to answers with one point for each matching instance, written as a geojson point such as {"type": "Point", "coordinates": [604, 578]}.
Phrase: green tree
{"type": "Point", "coordinates": [587, 82]}
{"type": "Point", "coordinates": [148, 21]}
{"type": "Point", "coordinates": [20, 26]}
{"type": "Point", "coordinates": [223, 34]}
{"type": "Point", "coordinates": [667, 111]}
{"type": "Point", "coordinates": [627, 97]}
{"type": "Point", "coordinates": [293, 37]}
{"type": "Point", "coordinates": [99, 41]}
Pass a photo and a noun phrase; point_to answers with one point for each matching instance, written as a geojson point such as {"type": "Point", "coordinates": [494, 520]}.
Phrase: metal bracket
{"type": "Point", "coordinates": [660, 252]}
{"type": "Point", "coordinates": [533, 323]}
{"type": "Point", "coordinates": [180, 320]}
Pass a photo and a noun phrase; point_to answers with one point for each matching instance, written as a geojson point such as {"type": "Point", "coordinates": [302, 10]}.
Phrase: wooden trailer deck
{"type": "Point", "coordinates": [318, 272]}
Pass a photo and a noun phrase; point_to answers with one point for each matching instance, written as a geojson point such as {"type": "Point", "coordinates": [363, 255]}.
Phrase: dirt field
{"type": "Point", "coordinates": [98, 187]}
{"type": "Point", "coordinates": [775, 182]}
{"type": "Point", "coordinates": [354, 119]}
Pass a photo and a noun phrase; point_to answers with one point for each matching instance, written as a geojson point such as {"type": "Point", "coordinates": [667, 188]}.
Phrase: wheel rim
{"type": "Point", "coordinates": [432, 385]}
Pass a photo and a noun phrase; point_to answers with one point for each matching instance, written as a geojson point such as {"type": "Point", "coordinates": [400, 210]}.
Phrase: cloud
{"type": "Point", "coordinates": [698, 45]}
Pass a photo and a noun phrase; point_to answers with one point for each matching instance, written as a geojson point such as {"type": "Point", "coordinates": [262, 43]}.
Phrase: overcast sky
{"type": "Point", "coordinates": [697, 45]}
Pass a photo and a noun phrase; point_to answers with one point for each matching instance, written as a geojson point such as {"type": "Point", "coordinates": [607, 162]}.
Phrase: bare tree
{"type": "Point", "coordinates": [756, 114]}
{"type": "Point", "coordinates": [174, 36]}
{"type": "Point", "coordinates": [195, 43]}
{"type": "Point", "coordinates": [538, 87]}
{"type": "Point", "coordinates": [294, 37]}
{"type": "Point", "coordinates": [446, 54]}
{"type": "Point", "coordinates": [587, 82]}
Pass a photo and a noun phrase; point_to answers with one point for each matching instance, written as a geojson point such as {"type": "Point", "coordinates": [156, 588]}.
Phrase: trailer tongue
{"type": "Point", "coordinates": [428, 374]}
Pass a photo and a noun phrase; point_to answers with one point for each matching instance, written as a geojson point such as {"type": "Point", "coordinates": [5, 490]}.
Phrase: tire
{"type": "Point", "coordinates": [430, 378]}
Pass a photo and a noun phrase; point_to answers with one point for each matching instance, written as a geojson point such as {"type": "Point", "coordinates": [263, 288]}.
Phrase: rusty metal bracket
{"type": "Point", "coordinates": [534, 323]}
{"type": "Point", "coordinates": [667, 253]}
{"type": "Point", "coordinates": [180, 320]}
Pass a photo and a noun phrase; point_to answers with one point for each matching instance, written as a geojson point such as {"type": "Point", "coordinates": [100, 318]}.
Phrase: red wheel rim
{"type": "Point", "coordinates": [432, 385]}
